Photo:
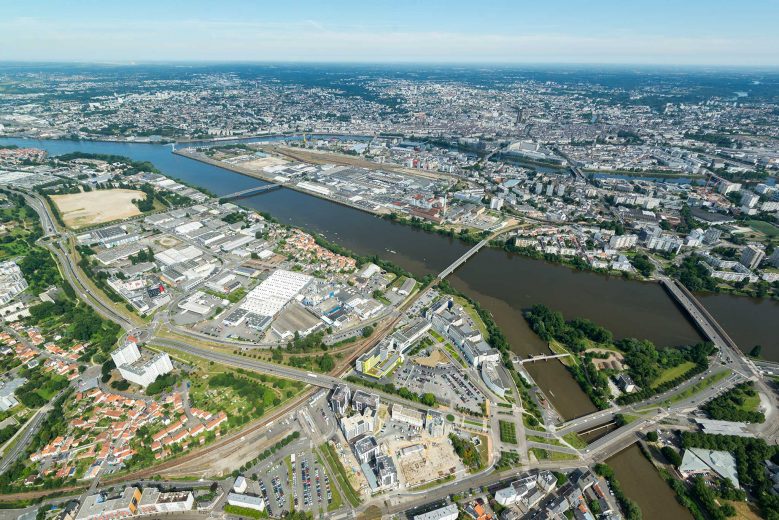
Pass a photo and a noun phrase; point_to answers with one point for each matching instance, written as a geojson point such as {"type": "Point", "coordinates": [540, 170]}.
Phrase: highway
{"type": "Point", "coordinates": [30, 428]}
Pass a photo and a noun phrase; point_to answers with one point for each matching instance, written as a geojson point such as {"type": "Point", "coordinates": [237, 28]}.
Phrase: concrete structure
{"type": "Point", "coordinates": [623, 241]}
{"type": "Point", "coordinates": [12, 281]}
{"type": "Point", "coordinates": [144, 373]}
{"type": "Point", "coordinates": [720, 464]}
{"type": "Point", "coordinates": [273, 293]}
{"type": "Point", "coordinates": [133, 368]}
{"type": "Point", "coordinates": [248, 501]}
{"type": "Point", "coordinates": [7, 397]}
{"type": "Point", "coordinates": [358, 424]}
{"type": "Point", "coordinates": [448, 512]}
{"type": "Point", "coordinates": [366, 449]}
{"type": "Point", "coordinates": [100, 507]}
{"type": "Point", "coordinates": [362, 400]}
{"type": "Point", "coordinates": [127, 353]}
{"type": "Point", "coordinates": [407, 415]}
{"type": "Point", "coordinates": [153, 502]}
{"type": "Point", "coordinates": [751, 256]}
{"type": "Point", "coordinates": [339, 399]}
{"type": "Point", "coordinates": [240, 484]}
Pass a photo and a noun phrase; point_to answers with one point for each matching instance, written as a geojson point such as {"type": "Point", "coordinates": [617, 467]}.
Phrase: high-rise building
{"type": "Point", "coordinates": [751, 256]}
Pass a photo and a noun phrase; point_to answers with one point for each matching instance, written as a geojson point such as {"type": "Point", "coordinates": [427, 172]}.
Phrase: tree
{"type": "Point", "coordinates": [367, 331]}
{"type": "Point", "coordinates": [326, 363]}
{"type": "Point", "coordinates": [671, 455]}
{"type": "Point", "coordinates": [756, 351]}
{"type": "Point", "coordinates": [651, 436]}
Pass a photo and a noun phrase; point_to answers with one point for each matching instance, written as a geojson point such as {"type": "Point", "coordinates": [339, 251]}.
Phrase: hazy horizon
{"type": "Point", "coordinates": [499, 32]}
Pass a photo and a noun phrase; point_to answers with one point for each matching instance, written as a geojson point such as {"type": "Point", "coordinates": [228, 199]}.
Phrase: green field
{"type": "Point", "coordinates": [551, 455]}
{"type": "Point", "coordinates": [672, 373]}
{"type": "Point", "coordinates": [245, 511]}
{"type": "Point", "coordinates": [766, 228]}
{"type": "Point", "coordinates": [508, 432]}
{"type": "Point", "coordinates": [575, 440]}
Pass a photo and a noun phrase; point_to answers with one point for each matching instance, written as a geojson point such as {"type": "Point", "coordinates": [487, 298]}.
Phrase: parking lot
{"type": "Point", "coordinates": [293, 479]}
{"type": "Point", "coordinates": [447, 382]}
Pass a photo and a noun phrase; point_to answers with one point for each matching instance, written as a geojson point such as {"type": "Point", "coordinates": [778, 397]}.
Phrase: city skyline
{"type": "Point", "coordinates": [711, 34]}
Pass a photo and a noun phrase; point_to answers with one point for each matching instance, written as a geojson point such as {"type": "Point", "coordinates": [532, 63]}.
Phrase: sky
{"type": "Point", "coordinates": [658, 32]}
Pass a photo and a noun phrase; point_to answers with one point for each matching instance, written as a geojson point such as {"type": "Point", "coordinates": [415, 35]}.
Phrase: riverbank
{"type": "Point", "coordinates": [643, 484]}
{"type": "Point", "coordinates": [502, 282]}
{"type": "Point", "coordinates": [273, 180]}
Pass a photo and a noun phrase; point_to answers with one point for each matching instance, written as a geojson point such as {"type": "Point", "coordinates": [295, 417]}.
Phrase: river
{"type": "Point", "coordinates": [503, 283]}
{"type": "Point", "coordinates": [641, 481]}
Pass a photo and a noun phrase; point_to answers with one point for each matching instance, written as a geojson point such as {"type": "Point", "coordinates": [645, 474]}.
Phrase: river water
{"type": "Point", "coordinates": [641, 481]}
{"type": "Point", "coordinates": [503, 283]}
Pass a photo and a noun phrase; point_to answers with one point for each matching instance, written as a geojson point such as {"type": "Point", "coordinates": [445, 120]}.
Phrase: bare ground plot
{"type": "Point", "coordinates": [435, 460]}
{"type": "Point", "coordinates": [615, 360]}
{"type": "Point", "coordinates": [79, 210]}
{"type": "Point", "coordinates": [433, 360]}
{"type": "Point", "coordinates": [258, 165]}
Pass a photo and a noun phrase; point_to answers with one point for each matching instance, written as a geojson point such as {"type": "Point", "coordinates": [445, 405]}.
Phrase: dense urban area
{"type": "Point", "coordinates": [309, 291]}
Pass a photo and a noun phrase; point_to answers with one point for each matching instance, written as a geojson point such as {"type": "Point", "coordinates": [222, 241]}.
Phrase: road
{"type": "Point", "coordinates": [31, 427]}
{"type": "Point", "coordinates": [604, 447]}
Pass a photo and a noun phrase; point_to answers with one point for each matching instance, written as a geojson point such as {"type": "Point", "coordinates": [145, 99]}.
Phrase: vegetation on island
{"type": "Point", "coordinates": [646, 363]}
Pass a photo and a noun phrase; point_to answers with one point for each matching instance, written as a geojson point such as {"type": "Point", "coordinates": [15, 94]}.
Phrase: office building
{"type": "Point", "coordinates": [358, 424]}
{"type": "Point", "coordinates": [100, 506]}
{"type": "Point", "coordinates": [153, 501]}
{"type": "Point", "coordinates": [339, 399]}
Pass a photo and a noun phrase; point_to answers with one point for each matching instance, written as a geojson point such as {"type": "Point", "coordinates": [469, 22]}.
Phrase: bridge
{"type": "Point", "coordinates": [544, 357]}
{"type": "Point", "coordinates": [464, 258]}
{"type": "Point", "coordinates": [700, 316]}
{"type": "Point", "coordinates": [496, 231]}
{"type": "Point", "coordinates": [251, 191]}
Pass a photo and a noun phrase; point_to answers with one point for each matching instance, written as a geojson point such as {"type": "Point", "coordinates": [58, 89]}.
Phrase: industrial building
{"type": "Point", "coordinates": [273, 293]}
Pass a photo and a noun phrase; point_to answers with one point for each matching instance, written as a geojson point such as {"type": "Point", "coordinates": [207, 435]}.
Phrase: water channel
{"type": "Point", "coordinates": [641, 481]}
{"type": "Point", "coordinates": [503, 283]}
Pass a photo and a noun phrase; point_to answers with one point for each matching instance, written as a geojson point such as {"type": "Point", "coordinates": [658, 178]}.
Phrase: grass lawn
{"type": "Point", "coordinates": [751, 403]}
{"type": "Point", "coordinates": [544, 440]}
{"type": "Point", "coordinates": [672, 373]}
{"type": "Point", "coordinates": [766, 228]}
{"type": "Point", "coordinates": [455, 355]}
{"type": "Point", "coordinates": [484, 455]}
{"type": "Point", "coordinates": [698, 387]}
{"type": "Point", "coordinates": [243, 511]}
{"type": "Point", "coordinates": [436, 336]}
{"type": "Point", "coordinates": [233, 297]}
{"type": "Point", "coordinates": [508, 432]}
{"type": "Point", "coordinates": [558, 348]}
{"type": "Point", "coordinates": [551, 455]}
{"type": "Point", "coordinates": [575, 440]}
{"type": "Point", "coordinates": [433, 483]}
{"type": "Point", "coordinates": [331, 458]}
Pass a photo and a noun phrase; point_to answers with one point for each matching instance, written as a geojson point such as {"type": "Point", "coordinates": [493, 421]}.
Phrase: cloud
{"type": "Point", "coordinates": [309, 40]}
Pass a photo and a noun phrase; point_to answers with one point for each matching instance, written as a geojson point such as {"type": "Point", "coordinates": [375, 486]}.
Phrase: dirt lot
{"type": "Point", "coordinates": [257, 165]}
{"type": "Point", "coordinates": [433, 360]}
{"type": "Point", "coordinates": [614, 359]}
{"type": "Point", "coordinates": [434, 461]}
{"type": "Point", "coordinates": [96, 207]}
